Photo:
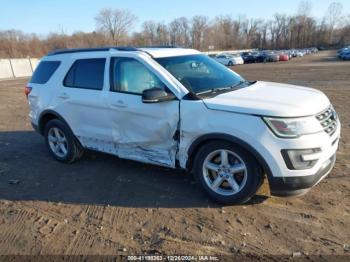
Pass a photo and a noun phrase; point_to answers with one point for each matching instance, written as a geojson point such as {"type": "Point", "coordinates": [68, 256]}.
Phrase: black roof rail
{"type": "Point", "coordinates": [107, 48]}
{"type": "Point", "coordinates": [96, 49]}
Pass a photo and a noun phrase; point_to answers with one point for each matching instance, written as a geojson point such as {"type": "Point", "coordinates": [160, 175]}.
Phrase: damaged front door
{"type": "Point", "coordinates": [141, 131]}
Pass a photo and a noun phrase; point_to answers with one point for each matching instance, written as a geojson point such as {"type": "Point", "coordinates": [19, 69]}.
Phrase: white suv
{"type": "Point", "coordinates": [181, 109]}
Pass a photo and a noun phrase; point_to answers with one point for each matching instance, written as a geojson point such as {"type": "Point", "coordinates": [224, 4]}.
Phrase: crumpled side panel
{"type": "Point", "coordinates": [144, 153]}
{"type": "Point", "coordinates": [141, 132]}
{"type": "Point", "coordinates": [149, 154]}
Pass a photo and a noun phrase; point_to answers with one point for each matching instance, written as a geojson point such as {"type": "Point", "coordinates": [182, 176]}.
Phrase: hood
{"type": "Point", "coordinates": [271, 99]}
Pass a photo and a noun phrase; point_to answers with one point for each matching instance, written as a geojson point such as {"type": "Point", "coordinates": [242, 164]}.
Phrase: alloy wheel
{"type": "Point", "coordinates": [58, 142]}
{"type": "Point", "coordinates": [224, 172]}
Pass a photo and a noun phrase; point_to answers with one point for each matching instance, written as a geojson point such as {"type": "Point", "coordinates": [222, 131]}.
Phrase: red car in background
{"type": "Point", "coordinates": [283, 57]}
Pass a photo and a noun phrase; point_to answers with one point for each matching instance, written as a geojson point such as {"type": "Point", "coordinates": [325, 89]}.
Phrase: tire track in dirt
{"type": "Point", "coordinates": [11, 234]}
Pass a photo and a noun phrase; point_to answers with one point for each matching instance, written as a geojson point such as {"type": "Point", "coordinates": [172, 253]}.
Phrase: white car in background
{"type": "Point", "coordinates": [229, 59]}
{"type": "Point", "coordinates": [299, 53]}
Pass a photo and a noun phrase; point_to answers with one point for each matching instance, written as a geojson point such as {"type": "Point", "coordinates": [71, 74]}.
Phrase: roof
{"type": "Point", "coordinates": [166, 52]}
{"type": "Point", "coordinates": [155, 52]}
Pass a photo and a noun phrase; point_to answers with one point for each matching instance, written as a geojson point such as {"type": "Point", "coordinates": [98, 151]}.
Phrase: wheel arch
{"type": "Point", "coordinates": [48, 115]}
{"type": "Point", "coordinates": [200, 141]}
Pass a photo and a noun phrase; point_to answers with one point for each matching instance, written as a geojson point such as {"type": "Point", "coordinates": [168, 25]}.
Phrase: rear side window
{"type": "Point", "coordinates": [44, 71]}
{"type": "Point", "coordinates": [86, 73]}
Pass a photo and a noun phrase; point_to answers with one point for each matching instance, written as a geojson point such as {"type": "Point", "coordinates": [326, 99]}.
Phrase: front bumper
{"type": "Point", "coordinates": [287, 181]}
{"type": "Point", "coordinates": [291, 186]}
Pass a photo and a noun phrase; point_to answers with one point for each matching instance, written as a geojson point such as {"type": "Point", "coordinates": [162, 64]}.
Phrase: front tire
{"type": "Point", "coordinates": [230, 63]}
{"type": "Point", "coordinates": [228, 173]}
{"type": "Point", "coordinates": [61, 142]}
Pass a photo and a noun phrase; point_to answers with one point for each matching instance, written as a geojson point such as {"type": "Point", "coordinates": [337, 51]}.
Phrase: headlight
{"type": "Point", "coordinates": [293, 127]}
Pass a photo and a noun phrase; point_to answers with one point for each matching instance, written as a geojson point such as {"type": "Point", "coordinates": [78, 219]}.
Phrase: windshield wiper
{"type": "Point", "coordinates": [244, 82]}
{"type": "Point", "coordinates": [215, 90]}
{"type": "Point", "coordinates": [221, 89]}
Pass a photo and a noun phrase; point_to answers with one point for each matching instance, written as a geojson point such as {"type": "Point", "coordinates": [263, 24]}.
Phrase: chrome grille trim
{"type": "Point", "coordinates": [328, 120]}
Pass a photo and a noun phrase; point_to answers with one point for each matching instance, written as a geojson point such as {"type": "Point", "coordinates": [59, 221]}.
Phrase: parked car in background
{"type": "Point", "coordinates": [282, 56]}
{"type": "Point", "coordinates": [289, 53]}
{"type": "Point", "coordinates": [314, 49]}
{"type": "Point", "coordinates": [261, 57]}
{"type": "Point", "coordinates": [229, 59]}
{"type": "Point", "coordinates": [306, 51]}
{"type": "Point", "coordinates": [293, 52]}
{"type": "Point", "coordinates": [238, 59]}
{"type": "Point", "coordinates": [346, 56]}
{"type": "Point", "coordinates": [249, 57]}
{"type": "Point", "coordinates": [271, 56]}
{"type": "Point", "coordinates": [343, 51]}
{"type": "Point", "coordinates": [299, 53]}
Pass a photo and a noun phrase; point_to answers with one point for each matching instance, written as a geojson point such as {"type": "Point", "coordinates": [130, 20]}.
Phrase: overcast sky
{"type": "Point", "coordinates": [45, 16]}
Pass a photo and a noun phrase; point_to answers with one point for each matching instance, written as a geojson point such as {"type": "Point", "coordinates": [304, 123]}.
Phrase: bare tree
{"type": "Point", "coordinates": [149, 32]}
{"type": "Point", "coordinates": [199, 25]}
{"type": "Point", "coordinates": [179, 32]}
{"type": "Point", "coordinates": [333, 15]}
{"type": "Point", "coordinates": [162, 34]}
{"type": "Point", "coordinates": [116, 23]}
{"type": "Point", "coordinates": [345, 31]}
{"type": "Point", "coordinates": [154, 33]}
{"type": "Point", "coordinates": [222, 33]}
{"type": "Point", "coordinates": [250, 29]}
{"type": "Point", "coordinates": [263, 31]}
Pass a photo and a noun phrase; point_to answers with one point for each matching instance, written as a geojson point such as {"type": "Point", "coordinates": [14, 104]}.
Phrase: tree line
{"type": "Point", "coordinates": [224, 32]}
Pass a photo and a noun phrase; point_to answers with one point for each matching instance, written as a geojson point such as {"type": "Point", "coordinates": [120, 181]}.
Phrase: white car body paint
{"type": "Point", "coordinates": [251, 129]}
{"type": "Point", "coordinates": [120, 124]}
{"type": "Point", "coordinates": [147, 130]}
{"type": "Point", "coordinates": [271, 99]}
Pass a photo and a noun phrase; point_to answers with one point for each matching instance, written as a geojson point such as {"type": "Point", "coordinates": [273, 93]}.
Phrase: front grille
{"type": "Point", "coordinates": [328, 120]}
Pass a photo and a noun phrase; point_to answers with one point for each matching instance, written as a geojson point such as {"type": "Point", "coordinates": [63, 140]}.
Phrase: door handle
{"type": "Point", "coordinates": [119, 104]}
{"type": "Point", "coordinates": [64, 95]}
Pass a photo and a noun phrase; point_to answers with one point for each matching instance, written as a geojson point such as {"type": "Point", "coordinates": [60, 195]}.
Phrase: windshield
{"type": "Point", "coordinates": [200, 73]}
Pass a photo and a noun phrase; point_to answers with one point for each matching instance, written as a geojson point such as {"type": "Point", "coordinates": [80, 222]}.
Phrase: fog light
{"type": "Point", "coordinates": [301, 158]}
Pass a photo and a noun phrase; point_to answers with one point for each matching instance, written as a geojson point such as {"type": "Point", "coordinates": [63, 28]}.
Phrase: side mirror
{"type": "Point", "coordinates": [156, 95]}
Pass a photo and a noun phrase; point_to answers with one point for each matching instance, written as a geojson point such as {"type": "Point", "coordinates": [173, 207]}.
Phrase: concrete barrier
{"type": "Point", "coordinates": [34, 62]}
{"type": "Point", "coordinates": [17, 67]}
{"type": "Point", "coordinates": [5, 69]}
{"type": "Point", "coordinates": [21, 67]}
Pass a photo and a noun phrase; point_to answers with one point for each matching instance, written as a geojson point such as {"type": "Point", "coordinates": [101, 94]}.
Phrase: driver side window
{"type": "Point", "coordinates": [131, 76]}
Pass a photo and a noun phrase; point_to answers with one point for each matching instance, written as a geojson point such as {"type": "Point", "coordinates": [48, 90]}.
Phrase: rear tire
{"type": "Point", "coordinates": [230, 63]}
{"type": "Point", "coordinates": [61, 142]}
{"type": "Point", "coordinates": [228, 173]}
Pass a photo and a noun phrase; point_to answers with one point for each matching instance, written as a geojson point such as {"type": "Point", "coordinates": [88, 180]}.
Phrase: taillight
{"type": "Point", "coordinates": [27, 91]}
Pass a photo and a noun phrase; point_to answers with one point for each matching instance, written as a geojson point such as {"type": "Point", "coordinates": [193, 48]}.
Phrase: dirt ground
{"type": "Point", "coordinates": [105, 205]}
